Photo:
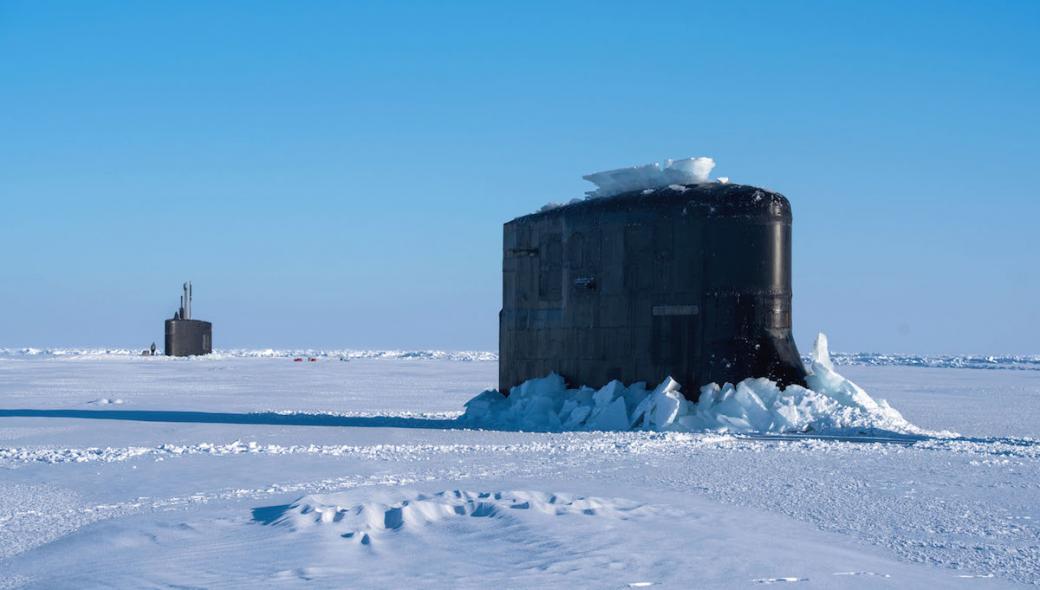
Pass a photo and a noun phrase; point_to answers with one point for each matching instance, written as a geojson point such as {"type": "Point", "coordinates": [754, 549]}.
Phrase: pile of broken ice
{"type": "Point", "coordinates": [831, 404]}
{"type": "Point", "coordinates": [650, 176]}
{"type": "Point", "coordinates": [647, 178]}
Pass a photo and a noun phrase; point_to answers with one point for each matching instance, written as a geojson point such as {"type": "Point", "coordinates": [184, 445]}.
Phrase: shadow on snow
{"type": "Point", "coordinates": [304, 419]}
{"type": "Point", "coordinates": [265, 418]}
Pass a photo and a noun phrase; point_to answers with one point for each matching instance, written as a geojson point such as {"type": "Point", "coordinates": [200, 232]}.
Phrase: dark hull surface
{"type": "Point", "coordinates": [691, 282]}
{"type": "Point", "coordinates": [188, 337]}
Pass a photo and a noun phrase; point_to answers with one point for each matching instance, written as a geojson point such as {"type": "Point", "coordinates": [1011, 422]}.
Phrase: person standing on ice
{"type": "Point", "coordinates": [153, 349]}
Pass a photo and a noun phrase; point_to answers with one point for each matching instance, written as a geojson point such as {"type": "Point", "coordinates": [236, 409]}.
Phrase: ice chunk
{"type": "Point", "coordinates": [612, 417]}
{"type": "Point", "coordinates": [650, 176]}
{"type": "Point", "coordinates": [661, 409]}
{"type": "Point", "coordinates": [489, 405]}
{"type": "Point", "coordinates": [823, 377]}
{"type": "Point", "coordinates": [821, 352]}
{"type": "Point", "coordinates": [688, 170]}
{"type": "Point", "coordinates": [577, 417]}
{"type": "Point", "coordinates": [608, 393]}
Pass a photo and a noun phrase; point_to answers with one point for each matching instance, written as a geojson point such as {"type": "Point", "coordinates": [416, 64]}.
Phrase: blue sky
{"type": "Point", "coordinates": [336, 174]}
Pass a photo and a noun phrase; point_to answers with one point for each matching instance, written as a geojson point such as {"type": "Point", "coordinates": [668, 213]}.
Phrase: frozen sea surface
{"type": "Point", "coordinates": [240, 472]}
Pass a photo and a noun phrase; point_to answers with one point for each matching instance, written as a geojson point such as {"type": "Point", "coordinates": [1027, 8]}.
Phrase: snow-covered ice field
{"type": "Point", "coordinates": [133, 472]}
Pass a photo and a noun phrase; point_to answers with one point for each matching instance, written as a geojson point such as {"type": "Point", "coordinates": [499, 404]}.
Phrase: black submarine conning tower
{"type": "Point", "coordinates": [186, 336]}
{"type": "Point", "coordinates": [688, 281]}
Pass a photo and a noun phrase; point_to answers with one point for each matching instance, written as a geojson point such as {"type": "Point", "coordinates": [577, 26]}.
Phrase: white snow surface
{"type": "Point", "coordinates": [650, 176]}
{"type": "Point", "coordinates": [342, 354]}
{"type": "Point", "coordinates": [974, 361]}
{"type": "Point", "coordinates": [257, 471]}
{"type": "Point", "coordinates": [831, 405]}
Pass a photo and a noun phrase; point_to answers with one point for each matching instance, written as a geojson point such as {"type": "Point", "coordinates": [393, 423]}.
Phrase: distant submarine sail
{"type": "Point", "coordinates": [186, 336]}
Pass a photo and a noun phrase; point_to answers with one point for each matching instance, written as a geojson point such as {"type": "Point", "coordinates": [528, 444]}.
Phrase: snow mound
{"type": "Point", "coordinates": [104, 401]}
{"type": "Point", "coordinates": [831, 404]}
{"type": "Point", "coordinates": [650, 176]}
{"type": "Point", "coordinates": [407, 510]}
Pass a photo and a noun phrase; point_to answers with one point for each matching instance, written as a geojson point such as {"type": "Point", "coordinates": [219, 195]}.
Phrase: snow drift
{"type": "Point", "coordinates": [650, 176]}
{"type": "Point", "coordinates": [407, 510]}
{"type": "Point", "coordinates": [831, 404]}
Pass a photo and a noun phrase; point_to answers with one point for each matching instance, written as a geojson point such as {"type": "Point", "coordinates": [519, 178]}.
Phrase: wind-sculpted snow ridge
{"type": "Point", "coordinates": [404, 510]}
{"type": "Point", "coordinates": [831, 405]}
{"type": "Point", "coordinates": [343, 354]}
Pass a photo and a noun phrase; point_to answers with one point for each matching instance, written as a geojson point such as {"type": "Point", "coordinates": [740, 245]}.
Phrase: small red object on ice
{"type": "Point", "coordinates": [297, 360]}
